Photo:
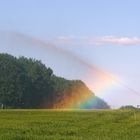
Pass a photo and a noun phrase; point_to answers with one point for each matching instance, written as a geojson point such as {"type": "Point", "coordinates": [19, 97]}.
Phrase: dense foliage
{"type": "Point", "coordinates": [128, 107]}
{"type": "Point", "coordinates": [27, 83]}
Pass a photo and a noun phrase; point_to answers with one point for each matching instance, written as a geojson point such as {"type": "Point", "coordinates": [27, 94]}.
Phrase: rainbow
{"type": "Point", "coordinates": [97, 79]}
{"type": "Point", "coordinates": [88, 100]}
{"type": "Point", "coordinates": [101, 85]}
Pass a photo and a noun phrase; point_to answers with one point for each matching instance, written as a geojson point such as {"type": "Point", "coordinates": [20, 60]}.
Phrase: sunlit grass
{"type": "Point", "coordinates": [69, 125]}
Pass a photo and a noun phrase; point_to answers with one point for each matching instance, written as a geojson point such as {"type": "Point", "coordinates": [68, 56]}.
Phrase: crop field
{"type": "Point", "coordinates": [69, 125]}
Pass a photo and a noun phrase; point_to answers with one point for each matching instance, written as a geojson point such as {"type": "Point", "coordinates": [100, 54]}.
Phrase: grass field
{"type": "Point", "coordinates": [69, 125]}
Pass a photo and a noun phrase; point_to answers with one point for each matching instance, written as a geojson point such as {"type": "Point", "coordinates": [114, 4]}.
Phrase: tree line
{"type": "Point", "coordinates": [28, 83]}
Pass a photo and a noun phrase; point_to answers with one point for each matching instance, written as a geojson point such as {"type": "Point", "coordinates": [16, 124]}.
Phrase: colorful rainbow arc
{"type": "Point", "coordinates": [106, 80]}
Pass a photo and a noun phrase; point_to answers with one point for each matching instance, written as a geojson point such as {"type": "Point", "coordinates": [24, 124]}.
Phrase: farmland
{"type": "Point", "coordinates": [69, 124]}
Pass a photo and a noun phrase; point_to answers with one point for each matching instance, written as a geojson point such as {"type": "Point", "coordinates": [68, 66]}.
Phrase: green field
{"type": "Point", "coordinates": [69, 125]}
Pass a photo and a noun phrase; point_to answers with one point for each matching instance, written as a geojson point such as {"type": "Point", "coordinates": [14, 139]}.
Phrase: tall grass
{"type": "Point", "coordinates": [69, 125]}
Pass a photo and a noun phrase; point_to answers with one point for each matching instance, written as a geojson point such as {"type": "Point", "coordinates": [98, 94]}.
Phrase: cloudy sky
{"type": "Point", "coordinates": [97, 41]}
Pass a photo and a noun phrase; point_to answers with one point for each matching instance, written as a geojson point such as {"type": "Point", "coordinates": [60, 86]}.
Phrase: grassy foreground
{"type": "Point", "coordinates": [69, 125]}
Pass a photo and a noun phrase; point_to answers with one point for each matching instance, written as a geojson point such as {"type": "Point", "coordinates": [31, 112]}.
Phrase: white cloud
{"type": "Point", "coordinates": [112, 40]}
{"type": "Point", "coordinates": [99, 41]}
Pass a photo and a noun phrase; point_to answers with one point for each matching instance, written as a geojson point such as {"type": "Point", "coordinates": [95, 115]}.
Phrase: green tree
{"type": "Point", "coordinates": [27, 83]}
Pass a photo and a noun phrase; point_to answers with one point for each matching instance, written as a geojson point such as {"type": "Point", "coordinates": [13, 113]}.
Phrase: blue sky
{"type": "Point", "coordinates": [53, 18]}
{"type": "Point", "coordinates": [104, 33]}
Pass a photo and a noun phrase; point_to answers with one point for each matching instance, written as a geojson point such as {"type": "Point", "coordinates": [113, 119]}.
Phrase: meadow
{"type": "Point", "coordinates": [69, 125]}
